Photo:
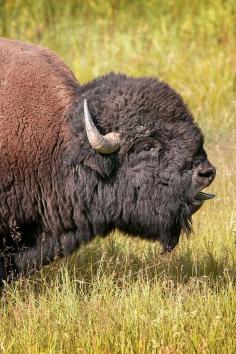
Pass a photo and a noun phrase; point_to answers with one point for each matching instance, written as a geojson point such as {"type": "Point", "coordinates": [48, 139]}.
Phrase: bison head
{"type": "Point", "coordinates": [148, 155]}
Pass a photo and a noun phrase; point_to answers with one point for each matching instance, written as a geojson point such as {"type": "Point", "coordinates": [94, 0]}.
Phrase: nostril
{"type": "Point", "coordinates": [207, 173]}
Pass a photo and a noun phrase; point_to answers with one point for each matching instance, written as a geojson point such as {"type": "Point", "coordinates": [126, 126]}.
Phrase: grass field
{"type": "Point", "coordinates": [119, 295]}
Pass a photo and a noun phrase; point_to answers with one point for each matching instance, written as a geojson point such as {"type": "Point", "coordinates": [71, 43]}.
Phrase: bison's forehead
{"type": "Point", "coordinates": [138, 107]}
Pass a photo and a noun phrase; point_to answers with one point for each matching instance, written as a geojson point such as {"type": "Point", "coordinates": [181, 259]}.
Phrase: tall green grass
{"type": "Point", "coordinates": [119, 295]}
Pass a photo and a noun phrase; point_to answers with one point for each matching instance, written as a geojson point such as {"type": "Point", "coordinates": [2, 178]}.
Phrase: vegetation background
{"type": "Point", "coordinates": [119, 295]}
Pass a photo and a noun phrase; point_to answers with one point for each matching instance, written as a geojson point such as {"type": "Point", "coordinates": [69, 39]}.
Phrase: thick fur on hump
{"type": "Point", "coordinates": [36, 91]}
{"type": "Point", "coordinates": [56, 191]}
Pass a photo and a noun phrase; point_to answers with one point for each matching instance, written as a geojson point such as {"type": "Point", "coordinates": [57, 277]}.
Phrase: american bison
{"type": "Point", "coordinates": [81, 160]}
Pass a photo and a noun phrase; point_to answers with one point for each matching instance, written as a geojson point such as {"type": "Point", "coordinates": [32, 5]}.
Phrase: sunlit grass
{"type": "Point", "coordinates": [119, 295]}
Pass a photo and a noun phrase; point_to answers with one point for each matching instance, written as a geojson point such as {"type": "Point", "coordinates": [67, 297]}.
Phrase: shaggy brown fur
{"type": "Point", "coordinates": [36, 91]}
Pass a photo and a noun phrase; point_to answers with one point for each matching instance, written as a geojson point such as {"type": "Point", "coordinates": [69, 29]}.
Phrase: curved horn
{"type": "Point", "coordinates": [106, 144]}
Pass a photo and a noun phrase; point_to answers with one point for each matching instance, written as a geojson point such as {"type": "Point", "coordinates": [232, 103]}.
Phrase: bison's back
{"type": "Point", "coordinates": [36, 91]}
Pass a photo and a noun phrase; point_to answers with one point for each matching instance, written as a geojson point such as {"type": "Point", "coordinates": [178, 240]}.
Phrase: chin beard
{"type": "Point", "coordinates": [183, 221]}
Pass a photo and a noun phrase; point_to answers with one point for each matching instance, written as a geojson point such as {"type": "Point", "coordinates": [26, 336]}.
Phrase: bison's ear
{"type": "Point", "coordinates": [104, 165]}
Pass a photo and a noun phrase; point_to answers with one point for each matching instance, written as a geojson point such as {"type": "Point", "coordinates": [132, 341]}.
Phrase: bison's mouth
{"type": "Point", "coordinates": [198, 201]}
{"type": "Point", "coordinates": [202, 196]}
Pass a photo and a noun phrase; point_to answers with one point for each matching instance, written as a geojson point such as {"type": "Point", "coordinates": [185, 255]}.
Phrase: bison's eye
{"type": "Point", "coordinates": [146, 147]}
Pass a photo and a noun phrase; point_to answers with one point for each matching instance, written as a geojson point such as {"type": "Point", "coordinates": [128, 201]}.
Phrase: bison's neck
{"type": "Point", "coordinates": [93, 201]}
